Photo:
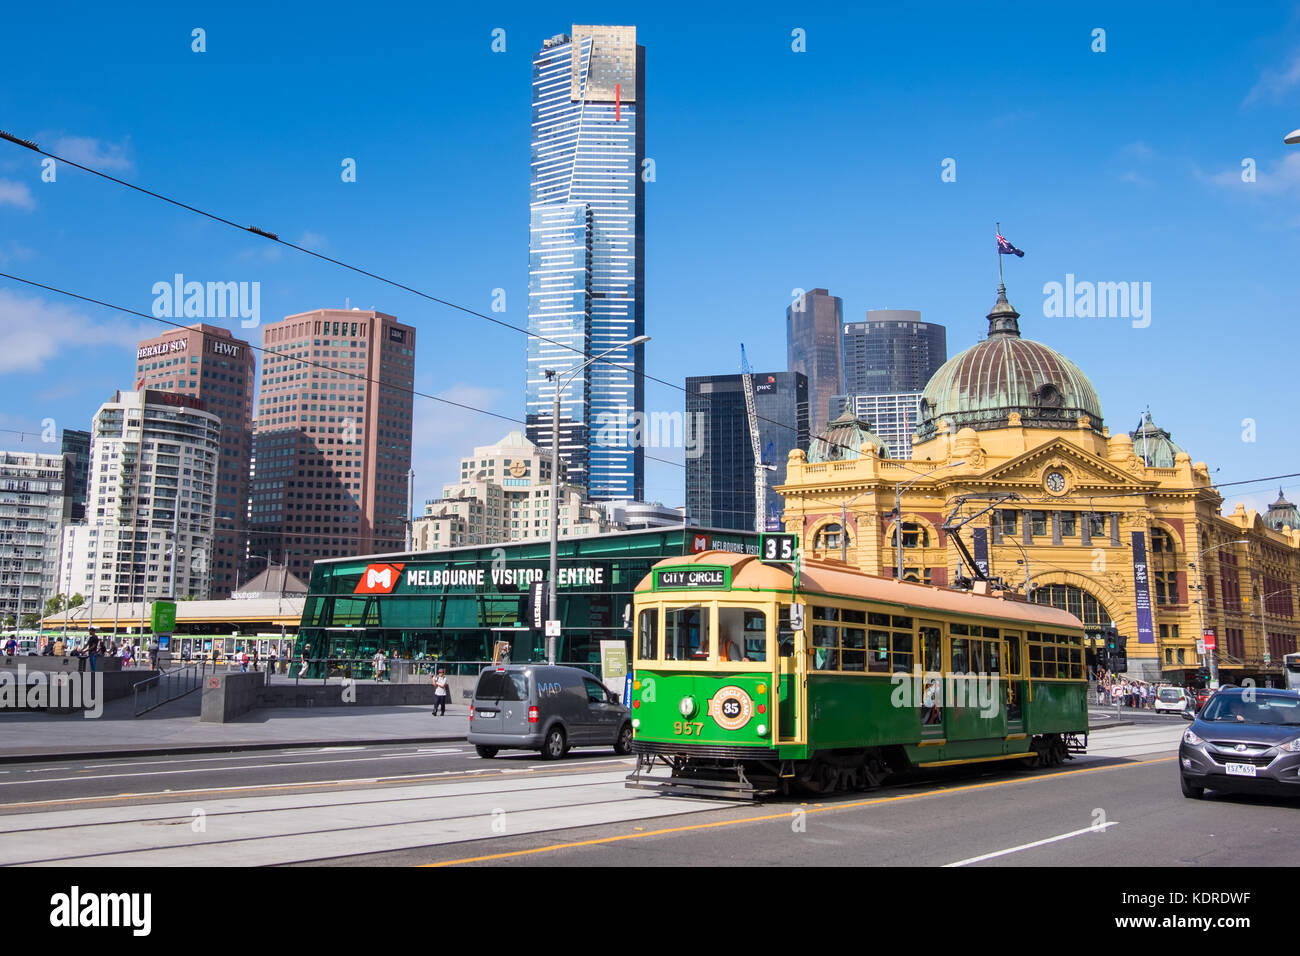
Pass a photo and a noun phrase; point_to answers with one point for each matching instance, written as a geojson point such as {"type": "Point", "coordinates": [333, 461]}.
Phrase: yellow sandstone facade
{"type": "Point", "coordinates": [1012, 438]}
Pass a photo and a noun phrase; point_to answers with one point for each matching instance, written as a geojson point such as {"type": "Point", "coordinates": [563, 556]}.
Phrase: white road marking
{"type": "Point", "coordinates": [1030, 846]}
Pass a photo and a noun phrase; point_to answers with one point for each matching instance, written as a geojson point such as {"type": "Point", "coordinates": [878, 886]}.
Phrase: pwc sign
{"type": "Point", "coordinates": [379, 579]}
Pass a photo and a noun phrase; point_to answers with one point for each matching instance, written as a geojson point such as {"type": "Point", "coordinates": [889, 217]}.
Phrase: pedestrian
{"type": "Point", "coordinates": [92, 648]}
{"type": "Point", "coordinates": [257, 662]}
{"type": "Point", "coordinates": [306, 654]}
{"type": "Point", "coordinates": [440, 692]}
{"type": "Point", "coordinates": [243, 662]}
{"type": "Point", "coordinates": [271, 662]}
{"type": "Point", "coordinates": [379, 664]}
{"type": "Point", "coordinates": [1101, 693]}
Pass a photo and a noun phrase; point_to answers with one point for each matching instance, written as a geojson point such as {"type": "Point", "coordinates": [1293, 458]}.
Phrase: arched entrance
{"type": "Point", "coordinates": [1096, 619]}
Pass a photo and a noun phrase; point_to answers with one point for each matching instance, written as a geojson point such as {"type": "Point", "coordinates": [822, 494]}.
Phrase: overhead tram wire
{"type": "Point", "coordinates": [274, 237]}
{"type": "Point", "coordinates": [415, 393]}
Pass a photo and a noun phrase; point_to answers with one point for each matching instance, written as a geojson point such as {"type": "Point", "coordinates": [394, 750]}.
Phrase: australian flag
{"type": "Point", "coordinates": [1007, 249]}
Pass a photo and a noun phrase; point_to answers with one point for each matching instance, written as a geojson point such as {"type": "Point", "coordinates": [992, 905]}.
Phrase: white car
{"type": "Point", "coordinates": [1172, 699]}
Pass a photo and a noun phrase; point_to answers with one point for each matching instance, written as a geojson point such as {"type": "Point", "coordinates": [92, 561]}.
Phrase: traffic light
{"type": "Point", "coordinates": [1117, 646]}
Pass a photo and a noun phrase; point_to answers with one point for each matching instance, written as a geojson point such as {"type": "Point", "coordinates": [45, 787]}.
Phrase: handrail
{"type": "Point", "coordinates": [179, 682]}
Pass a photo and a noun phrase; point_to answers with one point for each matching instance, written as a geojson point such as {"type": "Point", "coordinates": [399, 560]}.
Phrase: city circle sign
{"type": "Point", "coordinates": [691, 578]}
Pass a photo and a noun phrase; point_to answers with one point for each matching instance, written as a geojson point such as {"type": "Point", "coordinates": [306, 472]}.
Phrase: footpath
{"type": "Point", "coordinates": [175, 728]}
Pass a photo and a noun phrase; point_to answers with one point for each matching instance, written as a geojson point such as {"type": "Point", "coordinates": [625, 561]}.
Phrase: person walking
{"type": "Point", "coordinates": [92, 648]}
{"type": "Point", "coordinates": [379, 664]}
{"type": "Point", "coordinates": [306, 655]}
{"type": "Point", "coordinates": [441, 690]}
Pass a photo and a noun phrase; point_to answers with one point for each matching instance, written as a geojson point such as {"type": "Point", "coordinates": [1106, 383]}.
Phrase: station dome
{"type": "Point", "coordinates": [845, 438]}
{"type": "Point", "coordinates": [1153, 445]}
{"type": "Point", "coordinates": [983, 386]}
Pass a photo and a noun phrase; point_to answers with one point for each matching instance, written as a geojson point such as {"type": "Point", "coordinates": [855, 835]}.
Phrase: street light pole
{"type": "Point", "coordinates": [898, 512]}
{"type": "Point", "coordinates": [553, 598]}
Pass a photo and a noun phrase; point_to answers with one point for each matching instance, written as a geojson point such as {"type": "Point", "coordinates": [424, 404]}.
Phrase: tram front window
{"type": "Point", "coordinates": [686, 633]}
{"type": "Point", "coordinates": [742, 634]}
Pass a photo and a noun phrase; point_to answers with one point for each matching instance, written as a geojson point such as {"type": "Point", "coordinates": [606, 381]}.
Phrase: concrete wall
{"type": "Point", "coordinates": [39, 662]}
{"type": "Point", "coordinates": [227, 696]}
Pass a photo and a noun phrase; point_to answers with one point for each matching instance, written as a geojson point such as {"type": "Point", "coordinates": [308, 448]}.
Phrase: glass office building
{"type": "Point", "coordinates": [452, 606]}
{"type": "Point", "coordinates": [720, 469]}
{"type": "Point", "coordinates": [586, 278]}
{"type": "Point", "coordinates": [892, 352]}
{"type": "Point", "coordinates": [813, 324]}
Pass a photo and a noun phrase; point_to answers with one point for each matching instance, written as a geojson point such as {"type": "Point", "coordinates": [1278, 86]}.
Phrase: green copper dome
{"type": "Point", "coordinates": [1282, 514]}
{"type": "Point", "coordinates": [844, 438]}
{"type": "Point", "coordinates": [1153, 445]}
{"type": "Point", "coordinates": [983, 385]}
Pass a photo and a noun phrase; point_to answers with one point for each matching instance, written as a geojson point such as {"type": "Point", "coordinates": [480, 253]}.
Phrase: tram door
{"type": "Point", "coordinates": [931, 646]}
{"type": "Point", "coordinates": [791, 678]}
{"type": "Point", "coordinates": [1015, 685]}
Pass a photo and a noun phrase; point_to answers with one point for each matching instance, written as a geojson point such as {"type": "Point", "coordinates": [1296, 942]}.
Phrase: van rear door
{"type": "Point", "coordinates": [501, 702]}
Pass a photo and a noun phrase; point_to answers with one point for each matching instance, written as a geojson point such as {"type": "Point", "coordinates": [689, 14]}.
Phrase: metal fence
{"type": "Point", "coordinates": [165, 686]}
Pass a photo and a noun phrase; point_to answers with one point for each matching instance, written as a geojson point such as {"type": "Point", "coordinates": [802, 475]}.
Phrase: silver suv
{"type": "Point", "coordinates": [546, 708]}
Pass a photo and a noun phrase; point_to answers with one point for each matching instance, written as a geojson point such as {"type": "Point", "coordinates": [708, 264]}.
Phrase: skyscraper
{"type": "Point", "coordinates": [720, 478]}
{"type": "Point", "coordinates": [209, 363]}
{"type": "Point", "coordinates": [333, 444]}
{"type": "Point", "coordinates": [586, 253]}
{"type": "Point", "coordinates": [35, 501]}
{"type": "Point", "coordinates": [893, 351]}
{"type": "Point", "coordinates": [151, 501]}
{"type": "Point", "coordinates": [887, 361]}
{"type": "Point", "coordinates": [812, 336]}
{"type": "Point", "coordinates": [77, 444]}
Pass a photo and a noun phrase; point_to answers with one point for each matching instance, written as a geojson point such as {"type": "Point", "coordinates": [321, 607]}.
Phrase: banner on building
{"type": "Point", "coordinates": [1142, 589]}
{"type": "Point", "coordinates": [982, 551]}
{"type": "Point", "coordinates": [537, 605]}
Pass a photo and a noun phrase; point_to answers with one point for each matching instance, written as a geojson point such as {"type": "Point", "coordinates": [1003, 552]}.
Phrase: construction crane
{"type": "Point", "coordinates": [751, 414]}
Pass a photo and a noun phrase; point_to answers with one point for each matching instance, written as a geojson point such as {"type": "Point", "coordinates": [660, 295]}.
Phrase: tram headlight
{"type": "Point", "coordinates": [687, 706]}
{"type": "Point", "coordinates": [636, 723]}
{"type": "Point", "coordinates": [761, 730]}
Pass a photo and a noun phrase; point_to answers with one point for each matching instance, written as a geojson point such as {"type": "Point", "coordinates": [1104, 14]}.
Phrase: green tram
{"type": "Point", "coordinates": [747, 678]}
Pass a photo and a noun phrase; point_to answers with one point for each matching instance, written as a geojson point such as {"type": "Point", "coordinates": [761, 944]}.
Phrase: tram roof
{"type": "Point", "coordinates": [833, 578]}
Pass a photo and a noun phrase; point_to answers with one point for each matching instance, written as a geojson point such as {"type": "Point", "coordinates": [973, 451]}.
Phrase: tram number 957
{"type": "Point", "coordinates": [688, 728]}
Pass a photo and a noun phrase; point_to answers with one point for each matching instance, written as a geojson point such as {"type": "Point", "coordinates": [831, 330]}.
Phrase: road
{"type": "Point", "coordinates": [404, 805]}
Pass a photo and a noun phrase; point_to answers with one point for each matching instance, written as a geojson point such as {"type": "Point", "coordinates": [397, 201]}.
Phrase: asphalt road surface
{"type": "Point", "coordinates": [406, 805]}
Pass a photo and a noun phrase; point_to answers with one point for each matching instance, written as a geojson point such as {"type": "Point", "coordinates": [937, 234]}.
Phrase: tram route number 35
{"type": "Point", "coordinates": [778, 548]}
{"type": "Point", "coordinates": [688, 728]}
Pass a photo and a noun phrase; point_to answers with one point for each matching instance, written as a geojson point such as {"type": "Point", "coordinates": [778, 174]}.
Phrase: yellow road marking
{"type": "Point", "coordinates": [818, 808]}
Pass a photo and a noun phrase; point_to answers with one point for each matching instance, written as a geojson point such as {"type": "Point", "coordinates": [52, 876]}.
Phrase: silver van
{"type": "Point", "coordinates": [547, 708]}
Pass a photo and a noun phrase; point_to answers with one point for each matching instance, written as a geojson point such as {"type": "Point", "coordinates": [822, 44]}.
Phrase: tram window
{"type": "Point", "coordinates": [975, 658]}
{"type": "Point", "coordinates": [648, 629]}
{"type": "Point", "coordinates": [784, 633]}
{"type": "Point", "coordinates": [903, 622]}
{"type": "Point", "coordinates": [993, 658]}
{"type": "Point", "coordinates": [878, 651]}
{"type": "Point", "coordinates": [1013, 654]}
{"type": "Point", "coordinates": [853, 654]}
{"type": "Point", "coordinates": [825, 647]}
{"type": "Point", "coordinates": [742, 634]}
{"type": "Point", "coordinates": [958, 629]}
{"type": "Point", "coordinates": [959, 657]}
{"type": "Point", "coordinates": [878, 620]}
{"type": "Point", "coordinates": [902, 650]}
{"type": "Point", "coordinates": [850, 616]}
{"type": "Point", "coordinates": [686, 633]}
{"type": "Point", "coordinates": [930, 649]}
{"type": "Point", "coordinates": [755, 635]}
{"type": "Point", "coordinates": [823, 613]}
{"type": "Point", "coordinates": [990, 632]}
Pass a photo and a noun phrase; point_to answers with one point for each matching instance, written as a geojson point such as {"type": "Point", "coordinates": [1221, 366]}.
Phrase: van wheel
{"type": "Point", "coordinates": [556, 746]}
{"type": "Point", "coordinates": [623, 745]}
{"type": "Point", "coordinates": [487, 753]}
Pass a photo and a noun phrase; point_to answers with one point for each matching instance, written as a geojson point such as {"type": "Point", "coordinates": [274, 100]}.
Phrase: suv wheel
{"type": "Point", "coordinates": [623, 745]}
{"type": "Point", "coordinates": [556, 746]}
{"type": "Point", "coordinates": [1192, 793]}
{"type": "Point", "coordinates": [487, 753]}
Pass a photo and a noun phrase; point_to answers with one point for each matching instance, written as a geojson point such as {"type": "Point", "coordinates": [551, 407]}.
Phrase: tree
{"type": "Point", "coordinates": [31, 620]}
{"type": "Point", "coordinates": [54, 605]}
{"type": "Point", "coordinates": [9, 620]}
{"type": "Point", "coordinates": [76, 601]}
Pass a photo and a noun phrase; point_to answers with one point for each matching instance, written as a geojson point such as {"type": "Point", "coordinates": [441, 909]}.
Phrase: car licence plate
{"type": "Point", "coordinates": [1241, 770]}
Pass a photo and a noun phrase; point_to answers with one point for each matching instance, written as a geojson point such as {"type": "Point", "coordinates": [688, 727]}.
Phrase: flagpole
{"type": "Point", "coordinates": [998, 226]}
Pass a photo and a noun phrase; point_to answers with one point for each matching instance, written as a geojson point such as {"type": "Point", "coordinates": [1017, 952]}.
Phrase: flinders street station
{"type": "Point", "coordinates": [1121, 529]}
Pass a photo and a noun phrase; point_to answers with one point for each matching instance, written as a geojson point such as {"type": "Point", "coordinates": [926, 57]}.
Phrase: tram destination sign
{"type": "Point", "coordinates": [694, 577]}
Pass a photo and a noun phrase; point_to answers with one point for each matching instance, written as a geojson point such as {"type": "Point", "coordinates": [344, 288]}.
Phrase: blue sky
{"type": "Point", "coordinates": [775, 170]}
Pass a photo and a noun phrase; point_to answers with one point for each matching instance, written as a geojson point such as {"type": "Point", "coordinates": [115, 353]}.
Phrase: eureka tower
{"type": "Point", "coordinates": [586, 254]}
